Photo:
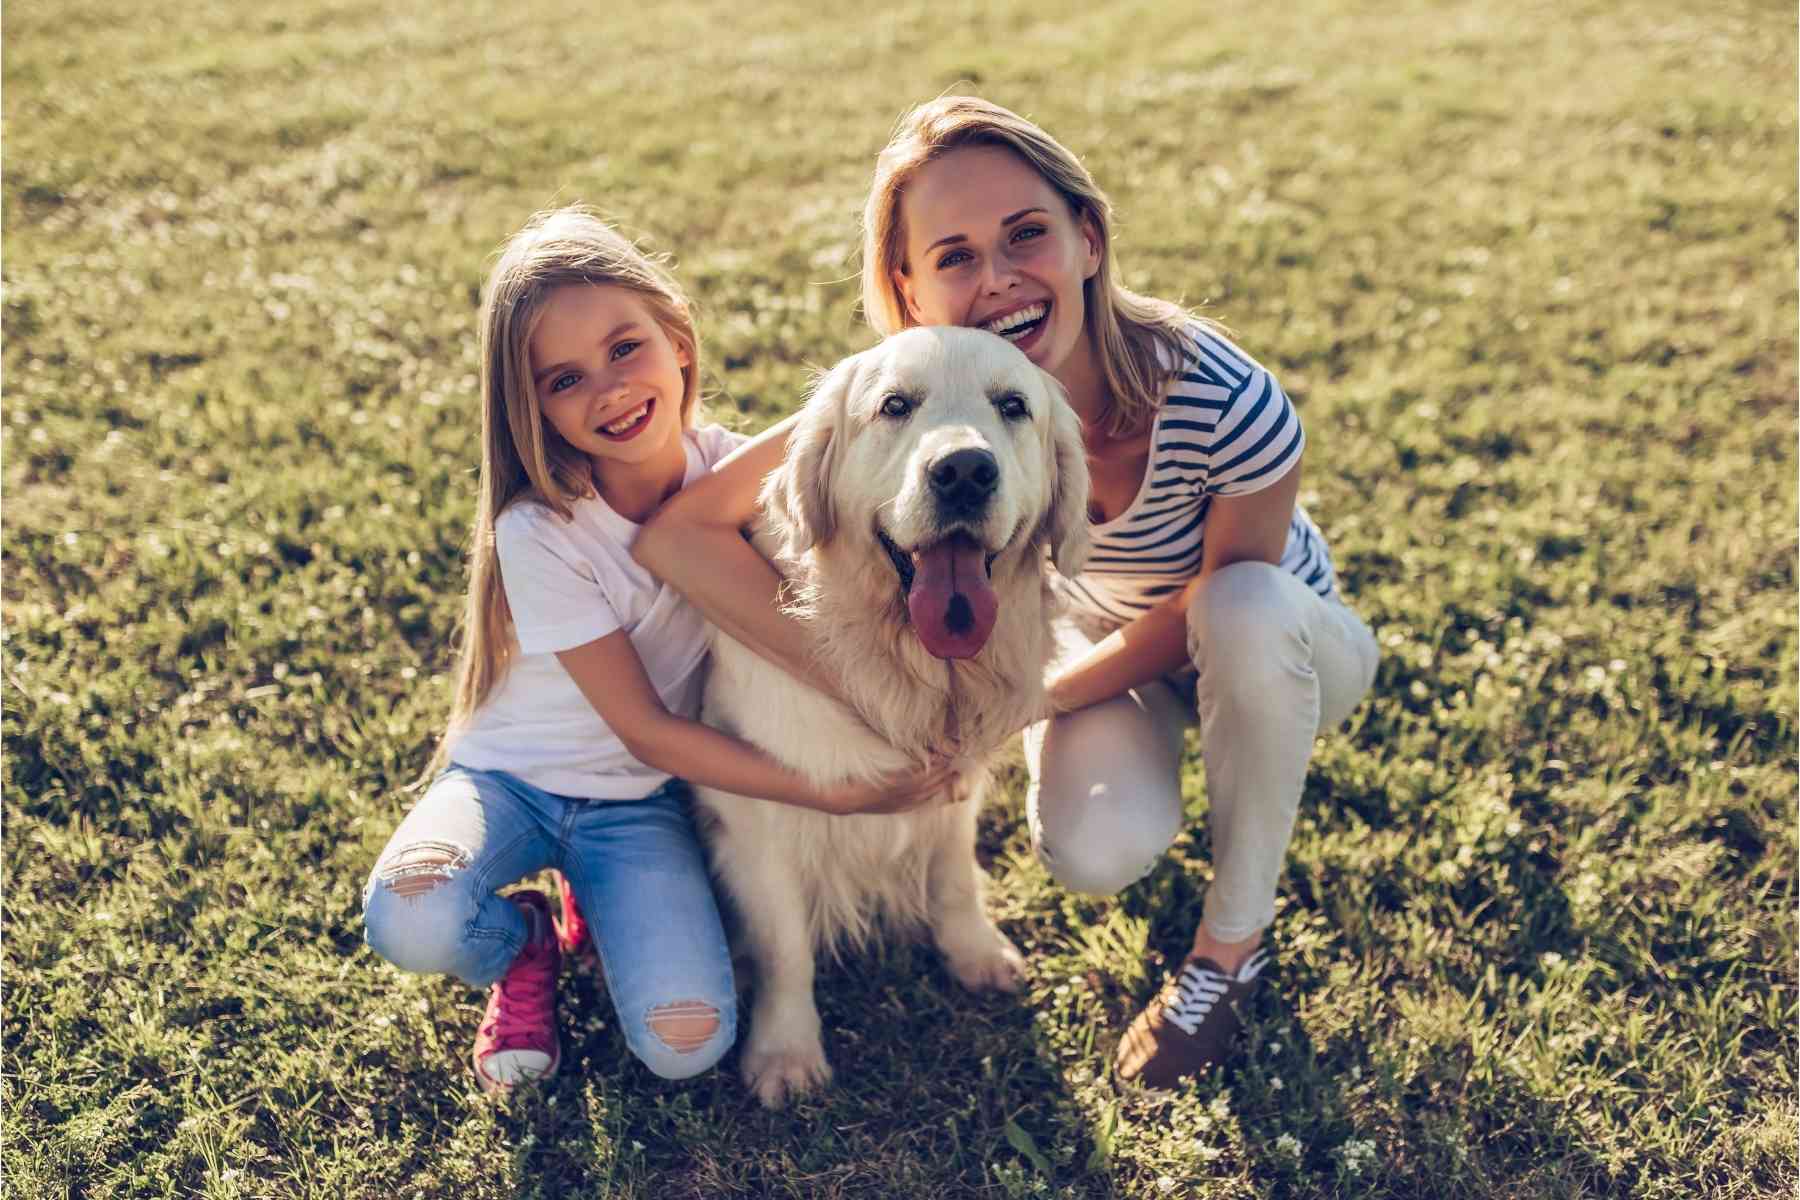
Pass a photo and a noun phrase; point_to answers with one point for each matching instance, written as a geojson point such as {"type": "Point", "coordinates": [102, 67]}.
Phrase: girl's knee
{"type": "Point", "coordinates": [683, 1038]}
{"type": "Point", "coordinates": [416, 908]}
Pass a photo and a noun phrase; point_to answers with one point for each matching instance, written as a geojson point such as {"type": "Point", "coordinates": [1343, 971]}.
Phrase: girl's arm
{"type": "Point", "coordinates": [695, 543]}
{"type": "Point", "coordinates": [1250, 528]}
{"type": "Point", "coordinates": [611, 676]}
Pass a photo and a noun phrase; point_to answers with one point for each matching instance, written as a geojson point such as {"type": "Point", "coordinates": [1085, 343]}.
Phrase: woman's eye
{"type": "Point", "coordinates": [623, 348]}
{"type": "Point", "coordinates": [1027, 232]}
{"type": "Point", "coordinates": [566, 380]}
{"type": "Point", "coordinates": [895, 405]}
{"type": "Point", "coordinates": [1012, 406]}
{"type": "Point", "coordinates": [955, 258]}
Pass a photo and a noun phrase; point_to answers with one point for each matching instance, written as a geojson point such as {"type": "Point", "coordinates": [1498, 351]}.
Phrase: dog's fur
{"type": "Point", "coordinates": [805, 881]}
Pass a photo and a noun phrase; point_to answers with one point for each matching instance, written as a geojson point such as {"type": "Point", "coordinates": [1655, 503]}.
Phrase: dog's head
{"type": "Point", "coordinates": [944, 449]}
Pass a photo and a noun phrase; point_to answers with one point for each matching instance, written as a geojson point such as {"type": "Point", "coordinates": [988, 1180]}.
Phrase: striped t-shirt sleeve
{"type": "Point", "coordinates": [1258, 438]}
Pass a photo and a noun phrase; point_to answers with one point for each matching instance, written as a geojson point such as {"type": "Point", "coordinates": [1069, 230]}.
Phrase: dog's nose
{"type": "Point", "coordinates": [963, 479]}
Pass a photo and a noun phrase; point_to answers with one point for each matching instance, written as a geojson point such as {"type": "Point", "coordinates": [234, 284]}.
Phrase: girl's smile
{"type": "Point", "coordinates": [609, 381]}
{"type": "Point", "coordinates": [631, 424]}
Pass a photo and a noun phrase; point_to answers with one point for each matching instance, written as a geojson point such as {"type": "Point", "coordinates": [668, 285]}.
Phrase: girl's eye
{"type": "Point", "coordinates": [1012, 406]}
{"type": "Point", "coordinates": [567, 379]}
{"type": "Point", "coordinates": [895, 405]}
{"type": "Point", "coordinates": [623, 348]}
{"type": "Point", "coordinates": [1026, 232]}
{"type": "Point", "coordinates": [953, 259]}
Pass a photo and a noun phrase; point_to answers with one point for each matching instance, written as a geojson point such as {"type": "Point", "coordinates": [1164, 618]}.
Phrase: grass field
{"type": "Point", "coordinates": [1529, 271]}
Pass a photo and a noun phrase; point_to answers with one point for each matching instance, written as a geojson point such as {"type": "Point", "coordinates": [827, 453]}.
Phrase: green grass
{"type": "Point", "coordinates": [1528, 270]}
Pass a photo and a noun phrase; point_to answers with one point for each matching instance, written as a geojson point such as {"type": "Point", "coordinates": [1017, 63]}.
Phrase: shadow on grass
{"type": "Point", "coordinates": [933, 1085]}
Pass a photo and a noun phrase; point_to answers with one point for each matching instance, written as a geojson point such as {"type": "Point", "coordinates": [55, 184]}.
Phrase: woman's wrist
{"type": "Point", "coordinates": [1060, 695]}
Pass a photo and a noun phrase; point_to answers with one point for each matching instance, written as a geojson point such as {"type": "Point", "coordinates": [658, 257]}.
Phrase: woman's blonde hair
{"type": "Point", "coordinates": [1126, 329]}
{"type": "Point", "coordinates": [522, 455]}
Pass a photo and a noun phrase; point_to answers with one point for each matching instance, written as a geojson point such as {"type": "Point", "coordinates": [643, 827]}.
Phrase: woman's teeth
{"type": "Point", "coordinates": [1016, 325]}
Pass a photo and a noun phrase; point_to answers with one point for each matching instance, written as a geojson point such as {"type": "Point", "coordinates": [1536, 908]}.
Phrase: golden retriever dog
{"type": "Point", "coordinates": [929, 485]}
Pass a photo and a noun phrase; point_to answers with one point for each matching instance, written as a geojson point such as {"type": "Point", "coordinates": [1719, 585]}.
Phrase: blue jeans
{"type": "Point", "coordinates": [638, 874]}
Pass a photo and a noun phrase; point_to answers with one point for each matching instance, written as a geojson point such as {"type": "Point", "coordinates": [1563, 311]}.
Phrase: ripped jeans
{"type": "Point", "coordinates": [638, 874]}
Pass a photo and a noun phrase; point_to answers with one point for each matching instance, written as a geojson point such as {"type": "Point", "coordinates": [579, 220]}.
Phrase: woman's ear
{"type": "Point", "coordinates": [1065, 525]}
{"type": "Point", "coordinates": [903, 286]}
{"type": "Point", "coordinates": [1096, 246]}
{"type": "Point", "coordinates": [799, 496]}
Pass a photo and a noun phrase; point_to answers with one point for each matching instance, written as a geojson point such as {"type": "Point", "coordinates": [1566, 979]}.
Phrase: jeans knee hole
{"type": "Point", "coordinates": [685, 1026]}
{"type": "Point", "coordinates": [421, 867]}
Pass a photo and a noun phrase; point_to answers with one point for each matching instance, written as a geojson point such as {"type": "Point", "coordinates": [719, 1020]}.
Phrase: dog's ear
{"type": "Point", "coordinates": [1065, 526]}
{"type": "Point", "coordinates": [799, 497]}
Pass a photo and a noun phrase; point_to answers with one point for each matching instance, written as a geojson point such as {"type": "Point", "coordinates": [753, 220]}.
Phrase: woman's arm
{"type": "Point", "coordinates": [611, 676]}
{"type": "Point", "coordinates": [695, 543]}
{"type": "Point", "coordinates": [1251, 528]}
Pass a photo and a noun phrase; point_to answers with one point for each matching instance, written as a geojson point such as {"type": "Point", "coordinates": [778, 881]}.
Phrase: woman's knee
{"type": "Point", "coordinates": [684, 1038]}
{"type": "Point", "coordinates": [1248, 632]}
{"type": "Point", "coordinates": [1243, 606]}
{"type": "Point", "coordinates": [417, 908]}
{"type": "Point", "coordinates": [1105, 850]}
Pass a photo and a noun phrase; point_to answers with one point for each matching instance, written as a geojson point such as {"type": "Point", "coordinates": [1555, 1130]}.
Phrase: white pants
{"type": "Point", "coordinates": [1277, 666]}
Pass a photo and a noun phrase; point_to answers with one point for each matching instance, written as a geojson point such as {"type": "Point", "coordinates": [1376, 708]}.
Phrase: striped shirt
{"type": "Point", "coordinates": [1224, 428]}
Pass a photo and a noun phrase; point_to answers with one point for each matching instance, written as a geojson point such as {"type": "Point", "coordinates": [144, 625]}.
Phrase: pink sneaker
{"type": "Point", "coordinates": [517, 1039]}
{"type": "Point", "coordinates": [571, 926]}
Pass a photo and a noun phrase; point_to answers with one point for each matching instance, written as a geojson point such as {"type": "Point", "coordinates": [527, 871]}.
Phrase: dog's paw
{"type": "Point", "coordinates": [778, 1074]}
{"type": "Point", "coordinates": [997, 966]}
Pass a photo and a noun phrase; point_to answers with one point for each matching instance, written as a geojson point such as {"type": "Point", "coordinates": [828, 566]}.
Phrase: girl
{"type": "Point", "coordinates": [579, 679]}
{"type": "Point", "coordinates": [1206, 579]}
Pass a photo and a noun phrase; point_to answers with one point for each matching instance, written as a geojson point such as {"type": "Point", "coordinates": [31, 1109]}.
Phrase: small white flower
{"type": "Point", "coordinates": [1288, 1145]}
{"type": "Point", "coordinates": [637, 1146]}
{"type": "Point", "coordinates": [1276, 1084]}
{"type": "Point", "coordinates": [1164, 1184]}
{"type": "Point", "coordinates": [1355, 1155]}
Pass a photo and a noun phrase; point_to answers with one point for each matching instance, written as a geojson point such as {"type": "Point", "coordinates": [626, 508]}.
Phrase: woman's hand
{"type": "Point", "coordinates": [900, 791]}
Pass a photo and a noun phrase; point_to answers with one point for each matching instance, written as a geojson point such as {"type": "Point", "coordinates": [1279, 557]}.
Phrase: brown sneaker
{"type": "Point", "coordinates": [1190, 1025]}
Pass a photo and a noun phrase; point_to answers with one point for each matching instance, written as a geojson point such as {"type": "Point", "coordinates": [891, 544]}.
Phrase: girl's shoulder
{"type": "Point", "coordinates": [530, 518]}
{"type": "Point", "coordinates": [714, 442]}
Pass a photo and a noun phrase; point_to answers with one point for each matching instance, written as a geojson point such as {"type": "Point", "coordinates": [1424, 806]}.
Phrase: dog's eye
{"type": "Point", "coordinates": [895, 405]}
{"type": "Point", "coordinates": [1012, 406]}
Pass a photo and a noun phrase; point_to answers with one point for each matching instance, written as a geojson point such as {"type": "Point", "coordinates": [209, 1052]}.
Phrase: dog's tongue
{"type": "Point", "coordinates": [952, 603]}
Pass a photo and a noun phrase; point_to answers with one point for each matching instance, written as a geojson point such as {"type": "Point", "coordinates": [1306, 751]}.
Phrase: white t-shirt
{"type": "Point", "coordinates": [568, 583]}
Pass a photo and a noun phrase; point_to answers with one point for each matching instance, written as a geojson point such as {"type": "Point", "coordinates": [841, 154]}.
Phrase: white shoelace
{"type": "Point", "coordinates": [1196, 990]}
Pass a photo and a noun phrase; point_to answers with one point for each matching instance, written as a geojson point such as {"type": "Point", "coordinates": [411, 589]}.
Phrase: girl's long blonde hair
{"type": "Point", "coordinates": [1135, 338]}
{"type": "Point", "coordinates": [522, 455]}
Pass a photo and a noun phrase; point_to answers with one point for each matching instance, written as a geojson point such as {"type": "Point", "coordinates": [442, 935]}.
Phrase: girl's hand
{"type": "Point", "coordinates": [894, 793]}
